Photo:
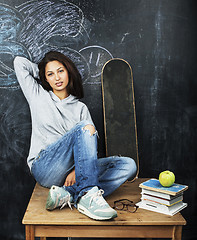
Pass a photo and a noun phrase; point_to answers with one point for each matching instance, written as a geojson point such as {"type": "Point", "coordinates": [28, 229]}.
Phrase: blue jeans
{"type": "Point", "coordinates": [78, 148]}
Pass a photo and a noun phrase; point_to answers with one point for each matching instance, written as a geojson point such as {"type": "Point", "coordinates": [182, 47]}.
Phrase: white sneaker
{"type": "Point", "coordinates": [94, 205]}
{"type": "Point", "coordinates": [58, 197]}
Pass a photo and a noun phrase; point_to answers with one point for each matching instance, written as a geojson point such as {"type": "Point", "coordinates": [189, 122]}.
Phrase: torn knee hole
{"type": "Point", "coordinates": [90, 128]}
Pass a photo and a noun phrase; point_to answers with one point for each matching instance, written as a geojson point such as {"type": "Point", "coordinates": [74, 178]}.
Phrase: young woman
{"type": "Point", "coordinates": [63, 150]}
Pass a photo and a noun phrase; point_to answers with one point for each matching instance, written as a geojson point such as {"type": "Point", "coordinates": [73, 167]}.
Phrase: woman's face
{"type": "Point", "coordinates": [57, 77]}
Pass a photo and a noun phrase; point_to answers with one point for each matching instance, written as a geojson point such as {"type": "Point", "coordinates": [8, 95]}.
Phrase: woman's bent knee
{"type": "Point", "coordinates": [131, 167]}
{"type": "Point", "coordinates": [90, 128]}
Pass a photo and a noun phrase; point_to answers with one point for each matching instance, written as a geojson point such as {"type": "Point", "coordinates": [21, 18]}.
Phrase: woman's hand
{"type": "Point", "coordinates": [70, 179]}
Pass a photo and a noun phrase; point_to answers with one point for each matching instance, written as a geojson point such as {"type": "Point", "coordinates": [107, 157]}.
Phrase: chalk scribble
{"type": "Point", "coordinates": [36, 27]}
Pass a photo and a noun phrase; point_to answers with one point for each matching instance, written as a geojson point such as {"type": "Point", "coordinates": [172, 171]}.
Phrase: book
{"type": "Point", "coordinates": [154, 185]}
{"type": "Point", "coordinates": [163, 201]}
{"type": "Point", "coordinates": [158, 194]}
{"type": "Point", "coordinates": [156, 207]}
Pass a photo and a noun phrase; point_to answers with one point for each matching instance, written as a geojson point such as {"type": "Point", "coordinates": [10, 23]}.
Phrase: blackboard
{"type": "Point", "coordinates": [156, 37]}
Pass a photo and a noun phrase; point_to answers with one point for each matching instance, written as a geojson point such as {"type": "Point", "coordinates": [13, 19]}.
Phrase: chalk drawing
{"type": "Point", "coordinates": [10, 24]}
{"type": "Point", "coordinates": [156, 129]}
{"type": "Point", "coordinates": [96, 56]}
{"type": "Point", "coordinates": [15, 125]}
{"type": "Point", "coordinates": [35, 27]}
{"type": "Point", "coordinates": [158, 53]}
{"type": "Point", "coordinates": [124, 36]}
{"type": "Point", "coordinates": [49, 22]}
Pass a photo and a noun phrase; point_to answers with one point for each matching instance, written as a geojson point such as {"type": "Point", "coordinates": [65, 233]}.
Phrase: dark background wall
{"type": "Point", "coordinates": [157, 37]}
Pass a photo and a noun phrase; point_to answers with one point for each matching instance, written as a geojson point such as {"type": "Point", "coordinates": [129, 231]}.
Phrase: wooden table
{"type": "Point", "coordinates": [66, 223]}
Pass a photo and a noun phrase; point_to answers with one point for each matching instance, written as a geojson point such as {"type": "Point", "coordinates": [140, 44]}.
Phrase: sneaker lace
{"type": "Point", "coordinates": [64, 201]}
{"type": "Point", "coordinates": [98, 198]}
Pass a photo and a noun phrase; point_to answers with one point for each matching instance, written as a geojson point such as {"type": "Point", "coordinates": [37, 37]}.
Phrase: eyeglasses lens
{"type": "Point", "coordinates": [131, 208]}
{"type": "Point", "coordinates": [119, 205]}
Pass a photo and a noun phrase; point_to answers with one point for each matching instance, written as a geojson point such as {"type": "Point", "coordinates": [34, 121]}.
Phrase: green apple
{"type": "Point", "coordinates": [166, 178]}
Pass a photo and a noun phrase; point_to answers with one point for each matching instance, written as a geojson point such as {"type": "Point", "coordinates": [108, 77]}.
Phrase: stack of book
{"type": "Point", "coordinates": [166, 200]}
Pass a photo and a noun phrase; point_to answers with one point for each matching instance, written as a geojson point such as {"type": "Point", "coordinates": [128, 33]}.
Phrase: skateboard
{"type": "Point", "coordinates": [119, 109]}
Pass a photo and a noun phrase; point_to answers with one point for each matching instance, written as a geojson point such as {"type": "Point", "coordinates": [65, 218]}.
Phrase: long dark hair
{"type": "Point", "coordinates": [75, 86]}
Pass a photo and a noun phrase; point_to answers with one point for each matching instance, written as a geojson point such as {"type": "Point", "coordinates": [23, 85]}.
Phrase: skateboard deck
{"type": "Point", "coordinates": [119, 109]}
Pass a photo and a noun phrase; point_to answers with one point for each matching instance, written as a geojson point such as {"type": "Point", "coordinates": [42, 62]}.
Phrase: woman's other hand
{"type": "Point", "coordinates": [70, 179]}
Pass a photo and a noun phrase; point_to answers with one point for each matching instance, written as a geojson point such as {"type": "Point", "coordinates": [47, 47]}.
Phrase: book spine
{"type": "Point", "coordinates": [157, 194]}
{"type": "Point", "coordinates": [162, 200]}
{"type": "Point", "coordinates": [161, 207]}
{"type": "Point", "coordinates": [162, 203]}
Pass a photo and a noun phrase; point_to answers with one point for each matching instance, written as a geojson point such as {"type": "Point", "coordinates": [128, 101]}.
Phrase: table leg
{"type": "Point", "coordinates": [29, 231]}
{"type": "Point", "coordinates": [177, 235]}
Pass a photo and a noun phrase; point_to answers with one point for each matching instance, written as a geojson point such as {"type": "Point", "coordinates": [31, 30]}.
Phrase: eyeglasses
{"type": "Point", "coordinates": [125, 205]}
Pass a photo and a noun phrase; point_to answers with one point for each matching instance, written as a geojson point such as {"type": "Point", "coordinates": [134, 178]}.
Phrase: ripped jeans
{"type": "Point", "coordinates": [78, 148]}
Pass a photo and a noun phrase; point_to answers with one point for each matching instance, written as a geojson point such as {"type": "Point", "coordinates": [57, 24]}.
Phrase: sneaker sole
{"type": "Point", "coordinates": [85, 211]}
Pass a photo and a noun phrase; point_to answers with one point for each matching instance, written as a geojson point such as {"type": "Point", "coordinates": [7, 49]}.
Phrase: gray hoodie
{"type": "Point", "coordinates": [51, 117]}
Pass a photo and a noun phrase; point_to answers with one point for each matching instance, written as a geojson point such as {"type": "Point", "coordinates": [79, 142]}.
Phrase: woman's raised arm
{"type": "Point", "coordinates": [27, 73]}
